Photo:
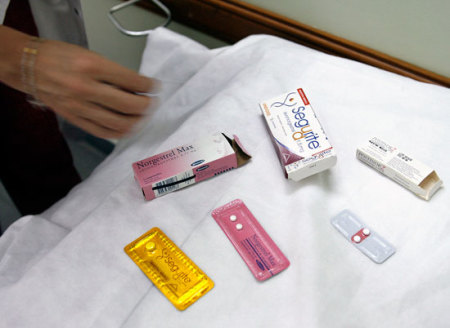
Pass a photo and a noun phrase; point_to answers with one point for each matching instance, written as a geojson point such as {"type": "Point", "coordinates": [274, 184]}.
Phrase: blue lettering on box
{"type": "Point", "coordinates": [197, 162]}
{"type": "Point", "coordinates": [204, 167]}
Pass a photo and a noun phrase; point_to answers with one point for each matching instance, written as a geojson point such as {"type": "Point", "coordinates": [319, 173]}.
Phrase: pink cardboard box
{"type": "Point", "coordinates": [187, 164]}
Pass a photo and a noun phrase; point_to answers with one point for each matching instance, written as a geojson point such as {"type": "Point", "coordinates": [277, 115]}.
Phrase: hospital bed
{"type": "Point", "coordinates": [67, 267]}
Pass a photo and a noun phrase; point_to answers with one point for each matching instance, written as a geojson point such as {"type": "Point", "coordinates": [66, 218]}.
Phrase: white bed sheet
{"type": "Point", "coordinates": [67, 268]}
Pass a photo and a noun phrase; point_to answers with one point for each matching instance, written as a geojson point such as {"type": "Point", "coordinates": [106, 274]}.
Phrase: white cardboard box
{"type": "Point", "coordinates": [403, 169]}
{"type": "Point", "coordinates": [300, 141]}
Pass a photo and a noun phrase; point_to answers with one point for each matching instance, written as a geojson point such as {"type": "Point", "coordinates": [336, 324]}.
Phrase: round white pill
{"type": "Point", "coordinates": [233, 218]}
{"type": "Point", "coordinates": [239, 226]}
{"type": "Point", "coordinates": [356, 239]}
{"type": "Point", "coordinates": [366, 232]}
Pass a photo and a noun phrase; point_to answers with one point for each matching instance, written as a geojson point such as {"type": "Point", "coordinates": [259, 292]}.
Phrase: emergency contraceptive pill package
{"type": "Point", "coordinates": [257, 249]}
{"type": "Point", "coordinates": [185, 165]}
{"type": "Point", "coordinates": [400, 167]}
{"type": "Point", "coordinates": [170, 270]}
{"type": "Point", "coordinates": [300, 141]}
{"type": "Point", "coordinates": [366, 240]}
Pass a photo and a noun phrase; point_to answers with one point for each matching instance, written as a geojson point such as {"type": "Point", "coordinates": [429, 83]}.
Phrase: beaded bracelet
{"type": "Point", "coordinates": [29, 54]}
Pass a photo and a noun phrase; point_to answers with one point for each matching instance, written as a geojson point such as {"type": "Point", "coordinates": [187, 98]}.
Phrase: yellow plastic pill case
{"type": "Point", "coordinates": [170, 270]}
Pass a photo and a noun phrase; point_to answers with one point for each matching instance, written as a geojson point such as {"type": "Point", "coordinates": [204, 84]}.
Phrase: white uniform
{"type": "Point", "coordinates": [56, 19]}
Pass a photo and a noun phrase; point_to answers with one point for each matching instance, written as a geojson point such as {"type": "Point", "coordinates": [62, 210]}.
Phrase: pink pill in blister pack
{"type": "Point", "coordinates": [257, 249]}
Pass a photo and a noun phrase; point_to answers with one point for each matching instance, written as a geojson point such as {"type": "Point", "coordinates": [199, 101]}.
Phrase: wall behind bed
{"type": "Point", "coordinates": [107, 40]}
{"type": "Point", "coordinates": [415, 32]}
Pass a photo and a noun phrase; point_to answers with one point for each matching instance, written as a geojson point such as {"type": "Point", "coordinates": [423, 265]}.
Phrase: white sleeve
{"type": "Point", "coordinates": [3, 6]}
{"type": "Point", "coordinates": [59, 20]}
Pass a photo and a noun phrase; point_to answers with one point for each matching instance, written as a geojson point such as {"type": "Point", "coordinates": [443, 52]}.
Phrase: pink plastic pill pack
{"type": "Point", "coordinates": [257, 249]}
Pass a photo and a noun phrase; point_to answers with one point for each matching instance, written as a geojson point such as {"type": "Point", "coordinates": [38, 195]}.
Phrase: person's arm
{"type": "Point", "coordinates": [12, 42]}
{"type": "Point", "coordinates": [88, 90]}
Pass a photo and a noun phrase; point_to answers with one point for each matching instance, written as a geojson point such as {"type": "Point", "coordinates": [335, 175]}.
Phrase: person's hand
{"type": "Point", "coordinates": [90, 91]}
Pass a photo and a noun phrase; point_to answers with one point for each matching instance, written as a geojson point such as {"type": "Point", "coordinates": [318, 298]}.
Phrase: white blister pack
{"type": "Point", "coordinates": [366, 240]}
